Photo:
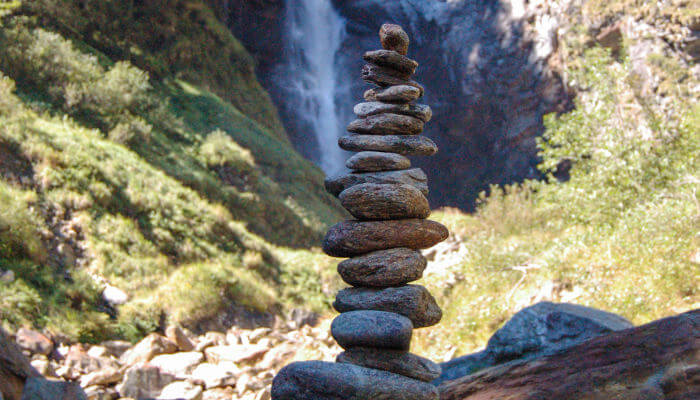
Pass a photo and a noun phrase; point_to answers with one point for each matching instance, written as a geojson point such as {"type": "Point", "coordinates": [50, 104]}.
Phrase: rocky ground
{"type": "Point", "coordinates": [237, 364]}
{"type": "Point", "coordinates": [240, 363]}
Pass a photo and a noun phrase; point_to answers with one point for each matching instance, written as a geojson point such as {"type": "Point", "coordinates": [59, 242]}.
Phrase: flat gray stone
{"type": "Point", "coordinates": [379, 329]}
{"type": "Point", "coordinates": [353, 238]}
{"type": "Point", "coordinates": [394, 94]}
{"type": "Point", "coordinates": [420, 111]}
{"type": "Point", "coordinates": [412, 301]}
{"type": "Point", "coordinates": [414, 177]}
{"type": "Point", "coordinates": [384, 77]}
{"type": "Point", "coordinates": [387, 124]}
{"type": "Point", "coordinates": [391, 59]}
{"type": "Point", "coordinates": [372, 201]}
{"type": "Point", "coordinates": [395, 361]}
{"type": "Point", "coordinates": [400, 144]}
{"type": "Point", "coordinates": [318, 380]}
{"type": "Point", "coordinates": [384, 268]}
{"type": "Point", "coordinates": [373, 161]}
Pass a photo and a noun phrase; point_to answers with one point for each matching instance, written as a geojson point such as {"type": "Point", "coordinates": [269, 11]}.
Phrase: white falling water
{"type": "Point", "coordinates": [315, 32]}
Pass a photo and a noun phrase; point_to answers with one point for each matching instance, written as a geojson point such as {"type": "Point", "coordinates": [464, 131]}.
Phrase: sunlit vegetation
{"type": "Point", "coordinates": [118, 170]}
{"type": "Point", "coordinates": [620, 235]}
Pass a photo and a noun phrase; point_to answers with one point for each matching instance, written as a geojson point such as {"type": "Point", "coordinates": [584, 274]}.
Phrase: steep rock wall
{"type": "Point", "coordinates": [487, 79]}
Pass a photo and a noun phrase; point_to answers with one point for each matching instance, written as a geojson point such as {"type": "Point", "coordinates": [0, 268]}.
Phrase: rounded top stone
{"type": "Point", "coordinates": [393, 37]}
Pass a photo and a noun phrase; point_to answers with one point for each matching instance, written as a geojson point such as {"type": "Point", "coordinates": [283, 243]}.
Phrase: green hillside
{"type": "Point", "coordinates": [622, 234]}
{"type": "Point", "coordinates": [151, 160]}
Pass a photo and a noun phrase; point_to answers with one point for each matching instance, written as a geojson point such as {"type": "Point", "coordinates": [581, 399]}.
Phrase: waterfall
{"type": "Point", "coordinates": [315, 32]}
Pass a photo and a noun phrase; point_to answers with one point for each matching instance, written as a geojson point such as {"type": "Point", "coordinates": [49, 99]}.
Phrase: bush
{"type": "Point", "coordinates": [620, 157]}
{"type": "Point", "coordinates": [219, 149]}
{"type": "Point", "coordinates": [201, 291]}
{"type": "Point", "coordinates": [19, 227]}
{"type": "Point", "coordinates": [136, 131]}
{"type": "Point", "coordinates": [73, 79]}
{"type": "Point", "coordinates": [234, 164]}
{"type": "Point", "coordinates": [9, 103]}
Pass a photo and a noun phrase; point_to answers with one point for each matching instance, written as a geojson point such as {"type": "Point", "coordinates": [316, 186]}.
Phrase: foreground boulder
{"type": "Point", "coordinates": [543, 328]}
{"type": "Point", "coordinates": [660, 360]}
{"type": "Point", "coordinates": [14, 369]}
{"type": "Point", "coordinates": [42, 389]}
{"type": "Point", "coordinates": [20, 381]}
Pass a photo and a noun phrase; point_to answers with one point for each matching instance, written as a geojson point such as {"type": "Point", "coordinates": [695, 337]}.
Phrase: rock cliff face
{"type": "Point", "coordinates": [487, 78]}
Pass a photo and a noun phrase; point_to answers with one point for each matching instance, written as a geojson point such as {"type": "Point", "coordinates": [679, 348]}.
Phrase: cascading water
{"type": "Point", "coordinates": [315, 32]}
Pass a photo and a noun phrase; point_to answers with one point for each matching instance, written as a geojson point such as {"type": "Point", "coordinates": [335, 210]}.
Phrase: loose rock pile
{"type": "Point", "coordinates": [237, 364]}
{"type": "Point", "coordinates": [387, 198]}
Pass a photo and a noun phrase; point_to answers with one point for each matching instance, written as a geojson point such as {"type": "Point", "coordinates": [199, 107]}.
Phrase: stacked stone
{"type": "Point", "coordinates": [388, 200]}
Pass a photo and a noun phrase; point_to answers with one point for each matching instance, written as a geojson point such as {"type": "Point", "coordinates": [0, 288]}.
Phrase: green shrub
{"type": "Point", "coordinates": [219, 149]}
{"type": "Point", "coordinates": [136, 131]}
{"type": "Point", "coordinates": [233, 163]}
{"type": "Point", "coordinates": [200, 292]}
{"type": "Point", "coordinates": [73, 79]}
{"type": "Point", "coordinates": [20, 304]}
{"type": "Point", "coordinates": [19, 227]}
{"type": "Point", "coordinates": [9, 103]}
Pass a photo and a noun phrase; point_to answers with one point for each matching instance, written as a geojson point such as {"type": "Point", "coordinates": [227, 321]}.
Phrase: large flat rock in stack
{"type": "Point", "coordinates": [383, 268]}
{"type": "Point", "coordinates": [391, 59]}
{"type": "Point", "coordinates": [318, 380]}
{"type": "Point", "coordinates": [414, 177]}
{"type": "Point", "coordinates": [353, 238]}
{"type": "Point", "coordinates": [407, 145]}
{"type": "Point", "coordinates": [387, 124]}
{"type": "Point", "coordinates": [420, 111]}
{"type": "Point", "coordinates": [372, 201]}
{"type": "Point", "coordinates": [378, 329]}
{"type": "Point", "coordinates": [412, 301]}
{"type": "Point", "coordinates": [395, 361]}
{"type": "Point", "coordinates": [399, 94]}
{"type": "Point", "coordinates": [374, 161]}
{"type": "Point", "coordinates": [386, 73]}
{"type": "Point", "coordinates": [384, 77]}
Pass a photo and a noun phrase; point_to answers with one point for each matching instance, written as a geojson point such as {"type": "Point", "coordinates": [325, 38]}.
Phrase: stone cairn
{"type": "Point", "coordinates": [387, 198]}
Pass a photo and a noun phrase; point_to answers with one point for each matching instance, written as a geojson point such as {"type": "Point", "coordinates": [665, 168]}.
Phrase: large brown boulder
{"type": "Point", "coordinates": [14, 369]}
{"type": "Point", "coordinates": [20, 381]}
{"type": "Point", "coordinates": [660, 360]}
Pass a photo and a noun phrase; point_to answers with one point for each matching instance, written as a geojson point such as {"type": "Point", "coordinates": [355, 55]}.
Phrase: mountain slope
{"type": "Point", "coordinates": [120, 167]}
